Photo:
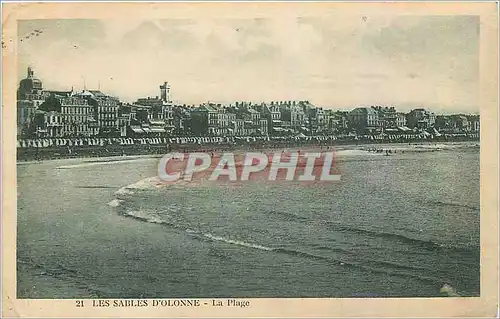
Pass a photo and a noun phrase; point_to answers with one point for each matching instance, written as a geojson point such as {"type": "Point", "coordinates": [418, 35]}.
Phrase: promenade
{"type": "Point", "coordinates": [45, 149]}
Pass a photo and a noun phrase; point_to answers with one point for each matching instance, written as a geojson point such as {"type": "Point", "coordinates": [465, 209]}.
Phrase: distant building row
{"type": "Point", "coordinates": [46, 113]}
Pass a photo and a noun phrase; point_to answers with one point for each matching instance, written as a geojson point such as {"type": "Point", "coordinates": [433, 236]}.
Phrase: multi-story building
{"type": "Point", "coordinates": [337, 121]}
{"type": "Point", "coordinates": [182, 120]}
{"type": "Point", "coordinates": [364, 119]}
{"type": "Point", "coordinates": [160, 108]}
{"type": "Point", "coordinates": [317, 120]}
{"type": "Point", "coordinates": [204, 120]}
{"type": "Point", "coordinates": [387, 116]}
{"type": "Point", "coordinates": [294, 113]}
{"type": "Point", "coordinates": [48, 124]}
{"type": "Point", "coordinates": [74, 113]}
{"type": "Point", "coordinates": [420, 118]}
{"type": "Point", "coordinates": [459, 123]}
{"type": "Point", "coordinates": [125, 117]}
{"type": "Point", "coordinates": [272, 114]}
{"type": "Point", "coordinates": [443, 123]}
{"type": "Point", "coordinates": [299, 114]}
{"type": "Point", "coordinates": [251, 118]}
{"type": "Point", "coordinates": [105, 111]}
{"type": "Point", "coordinates": [400, 119]}
{"type": "Point", "coordinates": [474, 123]}
{"type": "Point", "coordinates": [30, 96]}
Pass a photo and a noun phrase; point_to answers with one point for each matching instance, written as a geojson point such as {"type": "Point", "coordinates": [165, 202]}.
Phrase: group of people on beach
{"type": "Point", "coordinates": [387, 151]}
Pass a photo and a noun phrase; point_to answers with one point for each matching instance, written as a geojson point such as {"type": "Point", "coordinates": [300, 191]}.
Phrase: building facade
{"type": "Point", "coordinates": [421, 119]}
{"type": "Point", "coordinates": [30, 96]}
{"type": "Point", "coordinates": [72, 114]}
{"type": "Point", "coordinates": [364, 120]}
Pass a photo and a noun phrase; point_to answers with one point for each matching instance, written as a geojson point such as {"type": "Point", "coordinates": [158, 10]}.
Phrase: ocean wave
{"type": "Point", "coordinates": [365, 265]}
{"type": "Point", "coordinates": [61, 272]}
{"type": "Point", "coordinates": [422, 243]}
{"type": "Point", "coordinates": [148, 217]}
{"type": "Point", "coordinates": [154, 182]}
{"type": "Point", "coordinates": [237, 242]}
{"type": "Point", "coordinates": [441, 203]}
{"type": "Point", "coordinates": [287, 216]}
{"type": "Point", "coordinates": [396, 269]}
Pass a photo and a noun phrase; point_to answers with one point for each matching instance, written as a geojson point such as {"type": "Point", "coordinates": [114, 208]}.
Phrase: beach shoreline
{"type": "Point", "coordinates": [130, 152]}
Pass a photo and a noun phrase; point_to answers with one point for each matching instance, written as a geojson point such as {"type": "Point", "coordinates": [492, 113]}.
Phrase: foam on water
{"type": "Point", "coordinates": [370, 265]}
{"type": "Point", "coordinates": [151, 218]}
{"type": "Point", "coordinates": [236, 242]}
{"type": "Point", "coordinates": [115, 202]}
{"type": "Point", "coordinates": [449, 291]}
{"type": "Point", "coordinates": [143, 184]}
{"type": "Point", "coordinates": [146, 217]}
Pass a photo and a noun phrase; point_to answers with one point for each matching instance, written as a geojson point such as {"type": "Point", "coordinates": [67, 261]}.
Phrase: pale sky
{"type": "Point", "coordinates": [334, 61]}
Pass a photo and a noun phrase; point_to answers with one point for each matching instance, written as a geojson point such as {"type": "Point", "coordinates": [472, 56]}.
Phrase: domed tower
{"type": "Point", "coordinates": [29, 85]}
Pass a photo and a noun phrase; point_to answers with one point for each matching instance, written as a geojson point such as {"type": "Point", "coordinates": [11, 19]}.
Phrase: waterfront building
{"type": "Point", "coordinates": [337, 121]}
{"type": "Point", "coordinates": [251, 119]}
{"type": "Point", "coordinates": [443, 124]}
{"type": "Point", "coordinates": [295, 114]}
{"type": "Point", "coordinates": [30, 96]}
{"type": "Point", "coordinates": [400, 119]}
{"type": "Point", "coordinates": [387, 116]}
{"type": "Point", "coordinates": [316, 119]}
{"type": "Point", "coordinates": [420, 118]}
{"type": "Point", "coordinates": [272, 114]}
{"type": "Point", "coordinates": [459, 123]}
{"type": "Point", "coordinates": [473, 123]}
{"type": "Point", "coordinates": [159, 108]}
{"type": "Point", "coordinates": [182, 120]}
{"type": "Point", "coordinates": [48, 124]}
{"type": "Point", "coordinates": [125, 117]}
{"type": "Point", "coordinates": [299, 115]}
{"type": "Point", "coordinates": [73, 112]}
{"type": "Point", "coordinates": [105, 111]}
{"type": "Point", "coordinates": [364, 120]}
{"type": "Point", "coordinates": [204, 119]}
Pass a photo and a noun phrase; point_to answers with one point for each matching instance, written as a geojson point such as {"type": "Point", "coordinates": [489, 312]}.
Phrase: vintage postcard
{"type": "Point", "coordinates": [252, 159]}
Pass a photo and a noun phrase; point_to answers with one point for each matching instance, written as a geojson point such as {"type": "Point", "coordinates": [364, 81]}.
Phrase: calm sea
{"type": "Point", "coordinates": [400, 225]}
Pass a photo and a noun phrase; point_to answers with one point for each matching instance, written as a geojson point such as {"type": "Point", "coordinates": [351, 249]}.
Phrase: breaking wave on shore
{"type": "Point", "coordinates": [413, 249]}
{"type": "Point", "coordinates": [370, 265]}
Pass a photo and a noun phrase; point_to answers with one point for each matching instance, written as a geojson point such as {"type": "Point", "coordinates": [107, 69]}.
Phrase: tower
{"type": "Point", "coordinates": [165, 92]}
{"type": "Point", "coordinates": [30, 73]}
